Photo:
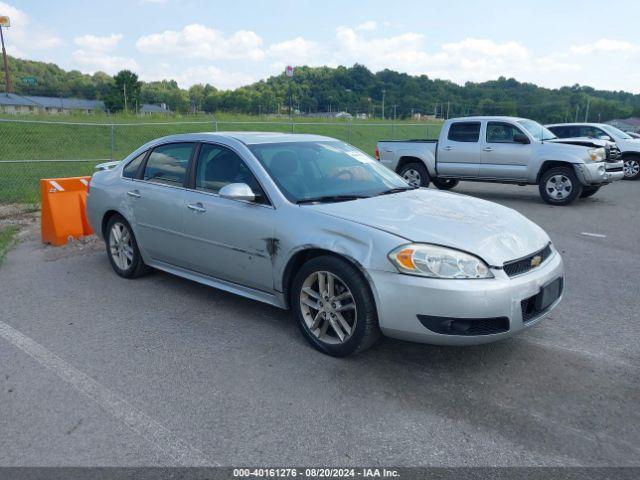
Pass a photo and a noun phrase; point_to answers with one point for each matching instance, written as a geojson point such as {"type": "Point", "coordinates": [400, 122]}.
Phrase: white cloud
{"type": "Point", "coordinates": [296, 51]}
{"type": "Point", "coordinates": [198, 41]}
{"type": "Point", "coordinates": [99, 44]}
{"type": "Point", "coordinates": [92, 61]}
{"type": "Point", "coordinates": [25, 37]}
{"type": "Point", "coordinates": [367, 26]}
{"type": "Point", "coordinates": [605, 45]}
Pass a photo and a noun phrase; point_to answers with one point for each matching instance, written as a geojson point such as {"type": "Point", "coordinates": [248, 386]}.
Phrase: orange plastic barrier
{"type": "Point", "coordinates": [63, 209]}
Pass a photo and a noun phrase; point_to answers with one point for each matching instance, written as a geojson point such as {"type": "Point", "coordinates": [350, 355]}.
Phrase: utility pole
{"type": "Point", "coordinates": [384, 92]}
{"type": "Point", "coordinates": [394, 112]}
{"type": "Point", "coordinates": [124, 89]}
{"type": "Point", "coordinates": [448, 108]}
{"type": "Point", "coordinates": [586, 115]}
{"type": "Point", "coordinates": [577, 110]}
{"type": "Point", "coordinates": [8, 88]}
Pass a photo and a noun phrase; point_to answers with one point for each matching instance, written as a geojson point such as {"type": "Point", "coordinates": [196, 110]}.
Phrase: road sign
{"type": "Point", "coordinates": [4, 21]}
{"type": "Point", "coordinates": [289, 71]}
{"type": "Point", "coordinates": [29, 80]}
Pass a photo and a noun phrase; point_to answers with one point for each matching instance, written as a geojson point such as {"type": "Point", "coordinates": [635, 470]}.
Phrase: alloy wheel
{"type": "Point", "coordinates": [121, 246]}
{"type": "Point", "coordinates": [559, 187]}
{"type": "Point", "coordinates": [631, 168]}
{"type": "Point", "coordinates": [328, 307]}
{"type": "Point", "coordinates": [412, 177]}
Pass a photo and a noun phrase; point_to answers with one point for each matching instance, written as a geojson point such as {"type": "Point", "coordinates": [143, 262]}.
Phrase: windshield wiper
{"type": "Point", "coordinates": [397, 190]}
{"type": "Point", "coordinates": [330, 198]}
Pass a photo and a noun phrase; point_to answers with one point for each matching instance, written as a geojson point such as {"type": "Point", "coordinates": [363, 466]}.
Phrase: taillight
{"type": "Point", "coordinates": [377, 154]}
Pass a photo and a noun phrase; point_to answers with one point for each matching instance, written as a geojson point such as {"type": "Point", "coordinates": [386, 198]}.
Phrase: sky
{"type": "Point", "coordinates": [234, 43]}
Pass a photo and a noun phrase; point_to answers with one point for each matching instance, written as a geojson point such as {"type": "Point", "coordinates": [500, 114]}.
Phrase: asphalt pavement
{"type": "Point", "coordinates": [98, 370]}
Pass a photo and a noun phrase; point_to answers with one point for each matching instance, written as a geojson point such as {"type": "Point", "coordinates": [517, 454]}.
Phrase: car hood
{"type": "Point", "coordinates": [495, 233]}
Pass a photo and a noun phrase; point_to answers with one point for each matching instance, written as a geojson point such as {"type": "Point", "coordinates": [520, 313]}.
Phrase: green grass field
{"type": "Point", "coordinates": [7, 238]}
{"type": "Point", "coordinates": [93, 141]}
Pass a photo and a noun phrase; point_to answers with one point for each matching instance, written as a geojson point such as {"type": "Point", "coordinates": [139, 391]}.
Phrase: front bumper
{"type": "Point", "coordinates": [402, 298]}
{"type": "Point", "coordinates": [599, 173]}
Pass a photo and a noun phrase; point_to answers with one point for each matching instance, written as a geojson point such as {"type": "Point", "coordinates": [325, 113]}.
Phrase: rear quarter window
{"type": "Point", "coordinates": [131, 169]}
{"type": "Point", "coordinates": [464, 132]}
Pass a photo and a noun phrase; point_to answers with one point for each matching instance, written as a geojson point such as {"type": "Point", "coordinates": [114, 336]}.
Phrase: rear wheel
{"type": "Point", "coordinates": [415, 174]}
{"type": "Point", "coordinates": [631, 168]}
{"type": "Point", "coordinates": [122, 249]}
{"type": "Point", "coordinates": [445, 183]}
{"type": "Point", "coordinates": [333, 307]}
{"type": "Point", "coordinates": [588, 191]}
{"type": "Point", "coordinates": [559, 186]}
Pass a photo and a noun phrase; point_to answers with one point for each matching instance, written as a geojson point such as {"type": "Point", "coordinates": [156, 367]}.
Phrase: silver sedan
{"type": "Point", "coordinates": [312, 224]}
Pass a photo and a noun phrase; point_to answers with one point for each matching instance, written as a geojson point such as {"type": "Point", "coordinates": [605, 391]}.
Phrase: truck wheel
{"type": "Point", "coordinates": [589, 191]}
{"type": "Point", "coordinates": [631, 168]}
{"type": "Point", "coordinates": [445, 183]}
{"type": "Point", "coordinates": [415, 174]}
{"type": "Point", "coordinates": [559, 186]}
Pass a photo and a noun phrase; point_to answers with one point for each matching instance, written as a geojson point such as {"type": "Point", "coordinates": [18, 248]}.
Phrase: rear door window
{"type": "Point", "coordinates": [167, 164]}
{"type": "Point", "coordinates": [464, 132]}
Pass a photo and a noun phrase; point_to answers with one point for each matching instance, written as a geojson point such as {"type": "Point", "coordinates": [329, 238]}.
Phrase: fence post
{"type": "Point", "coordinates": [393, 131]}
{"type": "Point", "coordinates": [111, 142]}
{"type": "Point", "coordinates": [293, 127]}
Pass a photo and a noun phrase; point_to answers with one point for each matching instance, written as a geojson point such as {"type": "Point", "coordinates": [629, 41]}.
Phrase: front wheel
{"type": "Point", "coordinates": [334, 307]}
{"type": "Point", "coordinates": [415, 174]}
{"type": "Point", "coordinates": [631, 168]}
{"type": "Point", "coordinates": [559, 186]}
{"type": "Point", "coordinates": [445, 183]}
{"type": "Point", "coordinates": [589, 191]}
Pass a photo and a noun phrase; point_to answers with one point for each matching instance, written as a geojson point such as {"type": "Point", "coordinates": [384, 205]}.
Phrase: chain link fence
{"type": "Point", "coordinates": [32, 149]}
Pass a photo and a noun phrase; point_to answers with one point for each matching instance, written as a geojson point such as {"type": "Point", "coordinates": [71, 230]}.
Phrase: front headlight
{"type": "Point", "coordinates": [597, 154]}
{"type": "Point", "coordinates": [438, 262]}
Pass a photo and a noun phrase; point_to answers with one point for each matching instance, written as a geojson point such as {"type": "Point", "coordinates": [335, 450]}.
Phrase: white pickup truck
{"type": "Point", "coordinates": [503, 150]}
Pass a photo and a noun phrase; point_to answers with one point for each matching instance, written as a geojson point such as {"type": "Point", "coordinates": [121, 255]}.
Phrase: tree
{"type": "Point", "coordinates": [125, 92]}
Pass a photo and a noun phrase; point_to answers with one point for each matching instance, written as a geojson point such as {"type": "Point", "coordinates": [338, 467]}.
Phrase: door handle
{"type": "Point", "coordinates": [487, 149]}
{"type": "Point", "coordinates": [448, 148]}
{"type": "Point", "coordinates": [134, 194]}
{"type": "Point", "coordinates": [196, 207]}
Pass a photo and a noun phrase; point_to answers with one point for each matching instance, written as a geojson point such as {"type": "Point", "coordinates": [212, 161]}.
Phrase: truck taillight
{"type": "Point", "coordinates": [377, 154]}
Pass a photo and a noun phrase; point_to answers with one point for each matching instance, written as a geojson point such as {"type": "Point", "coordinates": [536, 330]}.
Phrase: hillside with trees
{"type": "Point", "coordinates": [322, 89]}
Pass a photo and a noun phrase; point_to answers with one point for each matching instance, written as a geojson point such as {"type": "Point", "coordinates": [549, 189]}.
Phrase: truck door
{"type": "Point", "coordinates": [504, 158]}
{"type": "Point", "coordinates": [459, 152]}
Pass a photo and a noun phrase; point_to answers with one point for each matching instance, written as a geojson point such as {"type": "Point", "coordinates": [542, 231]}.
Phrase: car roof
{"type": "Point", "coordinates": [498, 118]}
{"type": "Point", "coordinates": [248, 138]}
{"type": "Point", "coordinates": [578, 124]}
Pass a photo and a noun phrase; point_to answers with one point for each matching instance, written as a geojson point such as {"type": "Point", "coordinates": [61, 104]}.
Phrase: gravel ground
{"type": "Point", "coordinates": [97, 370]}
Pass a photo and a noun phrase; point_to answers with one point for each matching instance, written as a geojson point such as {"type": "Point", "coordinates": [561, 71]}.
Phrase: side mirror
{"type": "Point", "coordinates": [605, 137]}
{"type": "Point", "coordinates": [237, 191]}
{"type": "Point", "coordinates": [521, 138]}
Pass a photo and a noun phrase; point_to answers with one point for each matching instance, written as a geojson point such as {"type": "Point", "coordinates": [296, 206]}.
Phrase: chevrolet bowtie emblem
{"type": "Point", "coordinates": [535, 261]}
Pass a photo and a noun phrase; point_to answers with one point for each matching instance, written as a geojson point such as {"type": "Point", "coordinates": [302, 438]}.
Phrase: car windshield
{"type": "Point", "coordinates": [536, 130]}
{"type": "Point", "coordinates": [325, 171]}
{"type": "Point", "coordinates": [616, 133]}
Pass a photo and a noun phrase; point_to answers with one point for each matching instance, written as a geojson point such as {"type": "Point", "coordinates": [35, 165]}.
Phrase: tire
{"type": "Point", "coordinates": [316, 313]}
{"type": "Point", "coordinates": [565, 177]}
{"type": "Point", "coordinates": [125, 258]}
{"type": "Point", "coordinates": [415, 174]}
{"type": "Point", "coordinates": [589, 191]}
{"type": "Point", "coordinates": [631, 168]}
{"type": "Point", "coordinates": [445, 183]}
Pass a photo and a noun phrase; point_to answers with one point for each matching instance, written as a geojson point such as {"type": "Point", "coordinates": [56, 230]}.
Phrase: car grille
{"type": "Point", "coordinates": [613, 154]}
{"type": "Point", "coordinates": [518, 267]}
{"type": "Point", "coordinates": [529, 310]}
{"type": "Point", "coordinates": [465, 326]}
